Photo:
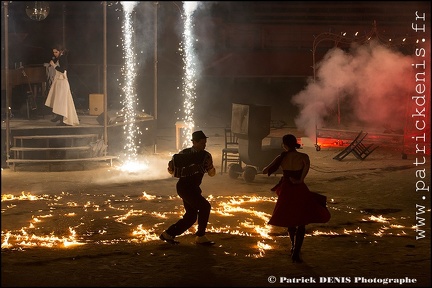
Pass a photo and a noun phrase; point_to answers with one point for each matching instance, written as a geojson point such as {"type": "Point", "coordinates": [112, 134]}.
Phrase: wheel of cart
{"type": "Point", "coordinates": [318, 147]}
{"type": "Point", "coordinates": [251, 124]}
{"type": "Point", "coordinates": [234, 170]}
{"type": "Point", "coordinates": [249, 173]}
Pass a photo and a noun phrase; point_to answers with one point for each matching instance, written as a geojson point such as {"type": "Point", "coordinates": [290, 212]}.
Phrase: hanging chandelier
{"type": "Point", "coordinates": [37, 10]}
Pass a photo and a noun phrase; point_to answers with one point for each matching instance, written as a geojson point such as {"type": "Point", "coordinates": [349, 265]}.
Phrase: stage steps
{"type": "Point", "coordinates": [58, 148]}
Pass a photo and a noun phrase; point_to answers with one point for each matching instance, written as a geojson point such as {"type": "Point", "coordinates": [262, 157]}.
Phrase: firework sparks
{"type": "Point", "coordinates": [190, 70]}
{"type": "Point", "coordinates": [130, 99]}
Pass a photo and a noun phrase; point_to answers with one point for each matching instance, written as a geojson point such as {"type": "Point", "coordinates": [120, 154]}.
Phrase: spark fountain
{"type": "Point", "coordinates": [190, 77]}
{"type": "Point", "coordinates": [130, 99]}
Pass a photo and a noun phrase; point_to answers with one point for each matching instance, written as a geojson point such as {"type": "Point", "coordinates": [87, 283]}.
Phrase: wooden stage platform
{"type": "Point", "coordinates": [42, 126]}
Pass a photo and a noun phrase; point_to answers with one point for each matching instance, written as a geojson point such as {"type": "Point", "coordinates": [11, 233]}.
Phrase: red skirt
{"type": "Point", "coordinates": [296, 206]}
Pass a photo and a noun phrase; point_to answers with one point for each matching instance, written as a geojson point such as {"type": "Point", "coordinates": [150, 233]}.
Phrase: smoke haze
{"type": "Point", "coordinates": [372, 84]}
{"type": "Point", "coordinates": [157, 170]}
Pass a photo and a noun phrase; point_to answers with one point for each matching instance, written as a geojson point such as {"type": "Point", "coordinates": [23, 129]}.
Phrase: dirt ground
{"type": "Point", "coordinates": [98, 226]}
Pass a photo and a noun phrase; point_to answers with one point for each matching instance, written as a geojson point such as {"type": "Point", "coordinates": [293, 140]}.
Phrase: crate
{"type": "Point", "coordinates": [96, 104]}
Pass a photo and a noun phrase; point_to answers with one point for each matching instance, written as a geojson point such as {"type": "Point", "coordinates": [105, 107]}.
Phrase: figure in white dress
{"type": "Point", "coordinates": [60, 97]}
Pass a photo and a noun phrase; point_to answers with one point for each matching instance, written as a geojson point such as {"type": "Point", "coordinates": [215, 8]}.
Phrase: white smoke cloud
{"type": "Point", "coordinates": [156, 169]}
{"type": "Point", "coordinates": [371, 82]}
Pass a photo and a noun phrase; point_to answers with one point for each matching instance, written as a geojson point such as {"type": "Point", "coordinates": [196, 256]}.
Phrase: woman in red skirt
{"type": "Point", "coordinates": [296, 206]}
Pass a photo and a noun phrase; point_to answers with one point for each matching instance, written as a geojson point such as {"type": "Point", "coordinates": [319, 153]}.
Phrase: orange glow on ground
{"type": "Point", "coordinates": [58, 222]}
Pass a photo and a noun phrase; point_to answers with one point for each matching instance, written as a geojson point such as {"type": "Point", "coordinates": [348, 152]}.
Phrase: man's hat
{"type": "Point", "coordinates": [198, 135]}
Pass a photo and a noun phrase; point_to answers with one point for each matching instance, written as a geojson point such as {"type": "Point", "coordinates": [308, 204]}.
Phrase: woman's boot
{"type": "Point", "coordinates": [61, 123]}
{"type": "Point", "coordinates": [301, 230]}
{"type": "Point", "coordinates": [56, 118]}
{"type": "Point", "coordinates": [292, 233]}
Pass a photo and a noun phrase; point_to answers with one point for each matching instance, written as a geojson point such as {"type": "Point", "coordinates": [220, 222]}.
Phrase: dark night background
{"type": "Point", "coordinates": [249, 52]}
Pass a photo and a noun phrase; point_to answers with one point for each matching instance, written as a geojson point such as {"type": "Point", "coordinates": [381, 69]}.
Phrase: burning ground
{"type": "Point", "coordinates": [94, 228]}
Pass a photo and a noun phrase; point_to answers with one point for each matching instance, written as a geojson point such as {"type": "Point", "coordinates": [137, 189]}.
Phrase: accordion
{"type": "Point", "coordinates": [188, 164]}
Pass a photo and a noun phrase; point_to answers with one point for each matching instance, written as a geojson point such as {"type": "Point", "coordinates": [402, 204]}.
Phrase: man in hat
{"type": "Point", "coordinates": [188, 188]}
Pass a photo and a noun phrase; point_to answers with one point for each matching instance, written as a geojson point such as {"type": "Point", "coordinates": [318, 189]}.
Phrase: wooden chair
{"type": "Point", "coordinates": [361, 151]}
{"type": "Point", "coordinates": [230, 153]}
{"type": "Point", "coordinates": [357, 148]}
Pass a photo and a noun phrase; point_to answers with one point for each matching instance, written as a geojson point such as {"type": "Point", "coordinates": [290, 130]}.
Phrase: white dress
{"type": "Point", "coordinates": [60, 99]}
